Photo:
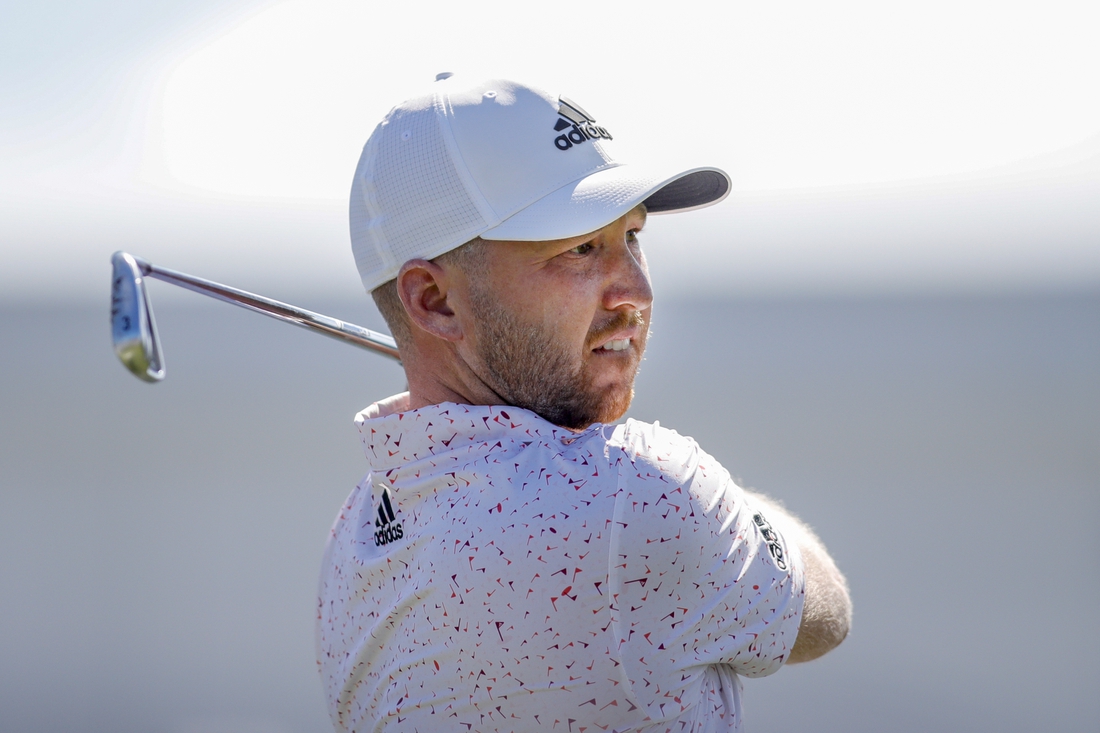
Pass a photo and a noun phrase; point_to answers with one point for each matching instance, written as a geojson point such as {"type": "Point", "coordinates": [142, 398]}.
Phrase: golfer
{"type": "Point", "coordinates": [514, 560]}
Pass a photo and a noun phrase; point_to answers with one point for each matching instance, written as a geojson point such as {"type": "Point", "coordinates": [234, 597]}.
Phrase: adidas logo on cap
{"type": "Point", "coordinates": [579, 123]}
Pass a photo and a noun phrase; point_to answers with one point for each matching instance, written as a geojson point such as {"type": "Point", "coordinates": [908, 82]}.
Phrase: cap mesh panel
{"type": "Point", "coordinates": [416, 204]}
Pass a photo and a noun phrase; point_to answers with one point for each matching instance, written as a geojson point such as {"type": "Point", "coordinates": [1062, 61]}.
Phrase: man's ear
{"type": "Point", "coordinates": [423, 287]}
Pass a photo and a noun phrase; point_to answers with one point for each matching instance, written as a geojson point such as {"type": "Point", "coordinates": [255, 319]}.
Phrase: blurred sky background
{"type": "Point", "coordinates": [874, 147]}
{"type": "Point", "coordinates": [893, 324]}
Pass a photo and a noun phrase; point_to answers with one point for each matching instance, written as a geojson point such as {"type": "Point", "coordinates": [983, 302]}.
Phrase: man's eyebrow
{"type": "Point", "coordinates": [640, 210]}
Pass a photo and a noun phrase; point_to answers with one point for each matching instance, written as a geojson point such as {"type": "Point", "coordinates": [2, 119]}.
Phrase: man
{"type": "Point", "coordinates": [513, 561]}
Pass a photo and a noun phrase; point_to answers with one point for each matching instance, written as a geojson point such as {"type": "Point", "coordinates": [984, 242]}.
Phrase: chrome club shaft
{"type": "Point", "coordinates": [134, 331]}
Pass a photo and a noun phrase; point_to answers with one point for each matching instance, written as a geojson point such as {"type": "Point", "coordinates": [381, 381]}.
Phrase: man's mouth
{"type": "Point", "coordinates": [616, 345]}
{"type": "Point", "coordinates": [618, 334]}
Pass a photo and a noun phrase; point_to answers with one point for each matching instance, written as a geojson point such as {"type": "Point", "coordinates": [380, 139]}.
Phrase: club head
{"type": "Point", "coordinates": [133, 330]}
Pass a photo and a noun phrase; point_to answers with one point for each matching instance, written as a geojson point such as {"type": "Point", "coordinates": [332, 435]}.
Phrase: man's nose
{"type": "Point", "coordinates": [628, 285]}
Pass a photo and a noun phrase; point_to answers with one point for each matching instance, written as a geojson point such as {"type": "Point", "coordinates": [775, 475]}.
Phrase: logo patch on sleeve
{"type": "Point", "coordinates": [775, 545]}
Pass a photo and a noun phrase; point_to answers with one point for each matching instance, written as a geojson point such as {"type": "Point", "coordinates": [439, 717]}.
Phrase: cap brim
{"type": "Point", "coordinates": [598, 199]}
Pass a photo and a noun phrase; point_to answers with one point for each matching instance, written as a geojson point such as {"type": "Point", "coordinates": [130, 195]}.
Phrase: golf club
{"type": "Point", "coordinates": [134, 330]}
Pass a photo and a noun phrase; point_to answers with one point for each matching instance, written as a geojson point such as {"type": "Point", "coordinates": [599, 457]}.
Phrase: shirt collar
{"type": "Point", "coordinates": [394, 436]}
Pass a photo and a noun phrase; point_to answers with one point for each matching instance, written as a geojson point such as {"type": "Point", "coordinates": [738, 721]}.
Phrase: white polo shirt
{"type": "Point", "coordinates": [494, 572]}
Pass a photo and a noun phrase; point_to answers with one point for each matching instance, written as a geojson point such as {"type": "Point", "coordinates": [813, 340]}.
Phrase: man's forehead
{"type": "Point", "coordinates": [638, 213]}
{"type": "Point", "coordinates": [510, 253]}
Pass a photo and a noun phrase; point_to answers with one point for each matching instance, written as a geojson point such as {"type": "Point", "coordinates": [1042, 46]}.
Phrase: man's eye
{"type": "Point", "coordinates": [582, 249]}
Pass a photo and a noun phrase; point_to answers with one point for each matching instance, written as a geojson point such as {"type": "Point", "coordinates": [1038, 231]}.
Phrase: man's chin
{"type": "Point", "coordinates": [613, 399]}
{"type": "Point", "coordinates": [610, 408]}
{"type": "Point", "coordinates": [617, 408]}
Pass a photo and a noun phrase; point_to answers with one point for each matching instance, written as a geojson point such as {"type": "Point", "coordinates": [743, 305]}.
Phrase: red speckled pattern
{"type": "Point", "coordinates": [610, 580]}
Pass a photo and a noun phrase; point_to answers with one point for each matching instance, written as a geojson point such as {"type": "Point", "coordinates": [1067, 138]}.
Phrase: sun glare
{"type": "Point", "coordinates": [792, 95]}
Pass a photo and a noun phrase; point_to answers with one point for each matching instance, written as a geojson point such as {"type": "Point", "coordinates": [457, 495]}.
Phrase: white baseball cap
{"type": "Point", "coordinates": [498, 160]}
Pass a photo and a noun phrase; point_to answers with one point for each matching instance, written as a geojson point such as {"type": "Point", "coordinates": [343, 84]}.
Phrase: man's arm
{"type": "Point", "coordinates": [827, 613]}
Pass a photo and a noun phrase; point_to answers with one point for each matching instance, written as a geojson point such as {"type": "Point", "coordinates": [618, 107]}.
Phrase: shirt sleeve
{"type": "Point", "coordinates": [702, 576]}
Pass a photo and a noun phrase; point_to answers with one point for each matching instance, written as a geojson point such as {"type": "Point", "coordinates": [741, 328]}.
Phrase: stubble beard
{"type": "Point", "coordinates": [528, 368]}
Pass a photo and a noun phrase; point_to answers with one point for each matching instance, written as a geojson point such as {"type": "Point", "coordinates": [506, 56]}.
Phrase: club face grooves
{"type": "Point", "coordinates": [133, 328]}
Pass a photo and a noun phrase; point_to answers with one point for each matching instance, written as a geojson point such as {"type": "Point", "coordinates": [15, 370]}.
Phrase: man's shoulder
{"type": "Point", "coordinates": [647, 440]}
{"type": "Point", "coordinates": [655, 451]}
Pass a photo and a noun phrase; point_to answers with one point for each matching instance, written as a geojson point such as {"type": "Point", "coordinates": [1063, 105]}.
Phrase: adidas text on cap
{"type": "Point", "coordinates": [498, 160]}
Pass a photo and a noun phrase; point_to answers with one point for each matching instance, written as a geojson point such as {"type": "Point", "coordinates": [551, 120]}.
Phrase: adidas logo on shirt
{"type": "Point", "coordinates": [388, 529]}
{"type": "Point", "coordinates": [579, 123]}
